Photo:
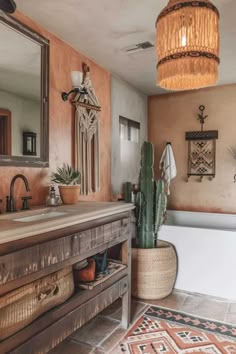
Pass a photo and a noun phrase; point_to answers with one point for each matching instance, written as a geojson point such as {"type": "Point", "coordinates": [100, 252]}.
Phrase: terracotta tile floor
{"type": "Point", "coordinates": [102, 333]}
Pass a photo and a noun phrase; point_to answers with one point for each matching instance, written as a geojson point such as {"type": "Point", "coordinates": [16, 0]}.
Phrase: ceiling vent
{"type": "Point", "coordinates": [138, 47]}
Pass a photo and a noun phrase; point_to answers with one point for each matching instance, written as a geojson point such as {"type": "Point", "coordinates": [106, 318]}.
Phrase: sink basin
{"type": "Point", "coordinates": [42, 216]}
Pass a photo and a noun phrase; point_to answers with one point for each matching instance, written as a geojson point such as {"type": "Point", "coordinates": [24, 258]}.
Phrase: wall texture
{"type": "Point", "coordinates": [170, 116]}
{"type": "Point", "coordinates": [132, 104]}
{"type": "Point", "coordinates": [63, 59]}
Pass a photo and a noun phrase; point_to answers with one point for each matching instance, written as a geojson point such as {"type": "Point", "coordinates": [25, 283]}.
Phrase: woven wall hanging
{"type": "Point", "coordinates": [202, 150]}
{"type": "Point", "coordinates": [87, 136]}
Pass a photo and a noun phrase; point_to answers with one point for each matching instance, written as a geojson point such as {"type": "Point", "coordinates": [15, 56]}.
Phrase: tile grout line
{"type": "Point", "coordinates": [170, 307]}
{"type": "Point", "coordinates": [90, 325]}
{"type": "Point", "coordinates": [103, 340]}
{"type": "Point", "coordinates": [182, 303]}
{"type": "Point", "coordinates": [227, 312]}
{"type": "Point", "coordinates": [195, 294]}
{"type": "Point", "coordinates": [139, 315]}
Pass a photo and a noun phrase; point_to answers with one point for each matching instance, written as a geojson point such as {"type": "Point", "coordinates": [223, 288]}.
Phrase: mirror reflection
{"type": "Point", "coordinates": [20, 94]}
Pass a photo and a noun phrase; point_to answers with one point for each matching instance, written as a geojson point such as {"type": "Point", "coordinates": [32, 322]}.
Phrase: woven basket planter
{"type": "Point", "coordinates": [153, 271]}
{"type": "Point", "coordinates": [20, 307]}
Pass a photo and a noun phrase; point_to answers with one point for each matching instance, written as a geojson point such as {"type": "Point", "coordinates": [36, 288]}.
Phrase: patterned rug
{"type": "Point", "coordinates": [164, 331]}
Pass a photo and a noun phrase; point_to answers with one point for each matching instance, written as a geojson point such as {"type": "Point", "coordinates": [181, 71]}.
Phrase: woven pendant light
{"type": "Point", "coordinates": [188, 45]}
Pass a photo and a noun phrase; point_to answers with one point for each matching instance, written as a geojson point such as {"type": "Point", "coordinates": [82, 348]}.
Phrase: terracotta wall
{"type": "Point", "coordinates": [170, 116]}
{"type": "Point", "coordinates": [63, 59]}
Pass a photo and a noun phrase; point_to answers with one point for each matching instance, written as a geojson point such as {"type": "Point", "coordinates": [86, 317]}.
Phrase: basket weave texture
{"type": "Point", "coordinates": [153, 271]}
{"type": "Point", "coordinates": [22, 306]}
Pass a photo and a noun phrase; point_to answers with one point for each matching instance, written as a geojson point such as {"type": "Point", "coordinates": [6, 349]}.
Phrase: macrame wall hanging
{"type": "Point", "coordinates": [202, 150]}
{"type": "Point", "coordinates": [87, 135]}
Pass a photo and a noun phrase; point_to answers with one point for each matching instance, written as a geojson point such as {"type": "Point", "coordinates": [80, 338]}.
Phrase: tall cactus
{"type": "Point", "coordinates": [150, 201]}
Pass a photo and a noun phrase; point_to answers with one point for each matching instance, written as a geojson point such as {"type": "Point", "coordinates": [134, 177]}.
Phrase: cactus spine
{"type": "Point", "coordinates": [150, 201]}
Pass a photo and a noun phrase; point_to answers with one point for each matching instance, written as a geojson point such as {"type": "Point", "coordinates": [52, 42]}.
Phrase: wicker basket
{"type": "Point", "coordinates": [20, 307]}
{"type": "Point", "coordinates": [153, 271]}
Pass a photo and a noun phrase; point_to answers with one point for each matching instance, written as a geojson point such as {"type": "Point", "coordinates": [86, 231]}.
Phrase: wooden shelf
{"type": "Point", "coordinates": [80, 298]}
{"type": "Point", "coordinates": [9, 286]}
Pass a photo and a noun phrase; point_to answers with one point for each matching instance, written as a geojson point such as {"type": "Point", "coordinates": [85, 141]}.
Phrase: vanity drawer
{"type": "Point", "coordinates": [98, 236]}
{"type": "Point", "coordinates": [84, 242]}
{"type": "Point", "coordinates": [37, 258]}
{"type": "Point", "coordinates": [116, 229]}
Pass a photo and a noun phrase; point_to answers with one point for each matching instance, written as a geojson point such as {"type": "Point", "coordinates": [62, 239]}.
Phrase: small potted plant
{"type": "Point", "coordinates": [69, 183]}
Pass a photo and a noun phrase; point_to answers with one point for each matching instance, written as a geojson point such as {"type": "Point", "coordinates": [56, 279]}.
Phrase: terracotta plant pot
{"type": "Point", "coordinates": [153, 271]}
{"type": "Point", "coordinates": [70, 194]}
{"type": "Point", "coordinates": [86, 274]}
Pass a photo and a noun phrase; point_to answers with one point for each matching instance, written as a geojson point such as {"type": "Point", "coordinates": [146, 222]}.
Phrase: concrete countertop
{"type": "Point", "coordinates": [11, 230]}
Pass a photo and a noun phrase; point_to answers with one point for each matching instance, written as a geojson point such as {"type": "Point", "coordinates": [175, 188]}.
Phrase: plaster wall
{"type": "Point", "coordinates": [170, 116]}
{"type": "Point", "coordinates": [64, 59]}
{"type": "Point", "coordinates": [127, 102]}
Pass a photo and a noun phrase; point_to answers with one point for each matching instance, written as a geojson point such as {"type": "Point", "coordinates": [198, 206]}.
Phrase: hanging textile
{"type": "Point", "coordinates": [87, 136]}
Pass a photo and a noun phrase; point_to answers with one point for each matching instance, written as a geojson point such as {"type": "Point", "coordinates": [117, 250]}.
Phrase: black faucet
{"type": "Point", "coordinates": [10, 202]}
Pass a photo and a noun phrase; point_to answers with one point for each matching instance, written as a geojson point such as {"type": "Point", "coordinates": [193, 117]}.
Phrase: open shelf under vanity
{"type": "Point", "coordinates": [76, 311]}
{"type": "Point", "coordinates": [84, 240]}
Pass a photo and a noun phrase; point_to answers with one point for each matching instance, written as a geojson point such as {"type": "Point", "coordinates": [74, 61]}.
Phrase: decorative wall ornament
{"type": "Point", "coordinates": [202, 150]}
{"type": "Point", "coordinates": [87, 135]}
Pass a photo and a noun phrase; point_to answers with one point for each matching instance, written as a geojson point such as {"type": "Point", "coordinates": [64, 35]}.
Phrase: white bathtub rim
{"type": "Point", "coordinates": [196, 227]}
{"type": "Point", "coordinates": [201, 220]}
{"type": "Point", "coordinates": [200, 212]}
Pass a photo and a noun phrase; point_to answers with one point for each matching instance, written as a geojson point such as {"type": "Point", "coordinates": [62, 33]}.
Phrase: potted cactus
{"type": "Point", "coordinates": [154, 262]}
{"type": "Point", "coordinates": [69, 183]}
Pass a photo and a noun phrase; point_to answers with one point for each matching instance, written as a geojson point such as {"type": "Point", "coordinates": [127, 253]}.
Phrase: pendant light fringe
{"type": "Point", "coordinates": [188, 45]}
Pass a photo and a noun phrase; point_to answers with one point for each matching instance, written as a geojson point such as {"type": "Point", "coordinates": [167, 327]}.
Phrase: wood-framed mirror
{"type": "Point", "coordinates": [24, 95]}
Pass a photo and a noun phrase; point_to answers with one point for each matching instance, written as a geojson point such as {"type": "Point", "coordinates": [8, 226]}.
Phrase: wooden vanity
{"type": "Point", "coordinates": [33, 249]}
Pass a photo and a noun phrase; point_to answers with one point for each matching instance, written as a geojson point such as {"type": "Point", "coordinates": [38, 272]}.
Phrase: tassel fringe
{"type": "Point", "coordinates": [187, 29]}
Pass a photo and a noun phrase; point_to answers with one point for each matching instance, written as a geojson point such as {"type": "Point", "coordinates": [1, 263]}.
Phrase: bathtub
{"type": "Point", "coordinates": [206, 249]}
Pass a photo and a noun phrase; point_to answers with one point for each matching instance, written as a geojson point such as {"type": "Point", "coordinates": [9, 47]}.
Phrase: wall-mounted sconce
{"type": "Point", "coordinates": [77, 84]}
{"type": "Point", "coordinates": [29, 143]}
{"type": "Point", "coordinates": [8, 6]}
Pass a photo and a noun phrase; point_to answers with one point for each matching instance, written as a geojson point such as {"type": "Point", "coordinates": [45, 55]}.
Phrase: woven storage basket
{"type": "Point", "coordinates": [20, 307]}
{"type": "Point", "coordinates": [153, 271]}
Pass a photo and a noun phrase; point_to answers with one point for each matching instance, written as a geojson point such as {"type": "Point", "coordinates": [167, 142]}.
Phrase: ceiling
{"type": "Point", "coordinates": [102, 29]}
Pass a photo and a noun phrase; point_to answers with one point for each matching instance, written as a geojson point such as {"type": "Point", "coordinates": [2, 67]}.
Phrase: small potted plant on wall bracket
{"type": "Point", "coordinates": [69, 183]}
{"type": "Point", "coordinates": [154, 262]}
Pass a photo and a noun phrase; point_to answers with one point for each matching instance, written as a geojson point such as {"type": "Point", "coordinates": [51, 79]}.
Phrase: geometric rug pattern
{"type": "Point", "coordinates": [164, 331]}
